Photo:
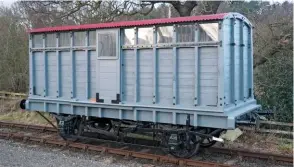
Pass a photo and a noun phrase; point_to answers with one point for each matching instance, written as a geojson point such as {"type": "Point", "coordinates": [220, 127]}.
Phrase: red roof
{"type": "Point", "coordinates": [131, 23]}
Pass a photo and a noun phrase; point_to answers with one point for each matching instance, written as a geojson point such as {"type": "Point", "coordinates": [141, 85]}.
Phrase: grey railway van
{"type": "Point", "coordinates": [158, 70]}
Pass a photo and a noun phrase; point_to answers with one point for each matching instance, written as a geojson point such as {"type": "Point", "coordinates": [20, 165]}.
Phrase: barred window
{"type": "Point", "coordinates": [51, 40]}
{"type": "Point", "coordinates": [92, 38]}
{"type": "Point", "coordinates": [145, 36]}
{"type": "Point", "coordinates": [38, 40]}
{"type": "Point", "coordinates": [79, 38]}
{"type": "Point", "coordinates": [129, 36]}
{"type": "Point", "coordinates": [165, 34]}
{"type": "Point", "coordinates": [64, 39]}
{"type": "Point", "coordinates": [186, 33]}
{"type": "Point", "coordinates": [208, 32]}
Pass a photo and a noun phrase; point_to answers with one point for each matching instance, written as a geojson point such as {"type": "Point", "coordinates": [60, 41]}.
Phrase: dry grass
{"type": "Point", "coordinates": [10, 111]}
{"type": "Point", "coordinates": [262, 142]}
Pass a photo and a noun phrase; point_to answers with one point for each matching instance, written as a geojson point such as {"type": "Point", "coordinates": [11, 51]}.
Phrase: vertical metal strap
{"type": "Point", "coordinates": [154, 65]}
{"type": "Point", "coordinates": [174, 117]}
{"type": "Point", "coordinates": [120, 114]}
{"type": "Point", "coordinates": [72, 65]}
{"type": "Point", "coordinates": [72, 109]}
{"type": "Point", "coordinates": [86, 111]}
{"type": "Point", "coordinates": [45, 107]}
{"type": "Point", "coordinates": [99, 112]}
{"type": "Point", "coordinates": [195, 119]}
{"type": "Point", "coordinates": [136, 66]}
{"type": "Point", "coordinates": [31, 66]}
{"type": "Point", "coordinates": [241, 61]}
{"type": "Point", "coordinates": [220, 68]}
{"type": "Point", "coordinates": [57, 108]}
{"type": "Point", "coordinates": [45, 67]}
{"type": "Point", "coordinates": [232, 53]}
{"type": "Point", "coordinates": [58, 70]}
{"type": "Point", "coordinates": [175, 66]}
{"type": "Point", "coordinates": [250, 62]}
{"type": "Point", "coordinates": [122, 68]}
{"type": "Point", "coordinates": [196, 74]}
{"type": "Point", "coordinates": [88, 66]}
{"type": "Point", "coordinates": [236, 61]}
{"type": "Point", "coordinates": [154, 115]}
{"type": "Point", "coordinates": [135, 114]}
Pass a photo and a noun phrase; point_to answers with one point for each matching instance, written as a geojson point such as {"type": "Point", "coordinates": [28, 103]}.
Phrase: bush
{"type": "Point", "coordinates": [274, 86]}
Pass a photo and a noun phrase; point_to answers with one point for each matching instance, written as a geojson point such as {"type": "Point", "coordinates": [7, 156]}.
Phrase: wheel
{"type": "Point", "coordinates": [183, 145]}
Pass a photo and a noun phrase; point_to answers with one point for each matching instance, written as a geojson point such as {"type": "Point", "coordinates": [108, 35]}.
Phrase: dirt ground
{"type": "Point", "coordinates": [10, 111]}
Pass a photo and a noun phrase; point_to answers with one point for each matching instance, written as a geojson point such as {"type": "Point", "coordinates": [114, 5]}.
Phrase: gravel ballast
{"type": "Point", "coordinates": [22, 155]}
{"type": "Point", "coordinates": [18, 154]}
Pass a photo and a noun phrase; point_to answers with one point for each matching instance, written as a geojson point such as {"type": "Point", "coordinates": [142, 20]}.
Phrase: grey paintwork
{"type": "Point", "coordinates": [212, 81]}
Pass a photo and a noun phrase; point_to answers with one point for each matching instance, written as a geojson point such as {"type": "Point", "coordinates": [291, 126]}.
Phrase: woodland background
{"type": "Point", "coordinates": [273, 37]}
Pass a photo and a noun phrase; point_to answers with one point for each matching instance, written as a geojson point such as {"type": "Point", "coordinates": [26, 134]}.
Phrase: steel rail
{"type": "Point", "coordinates": [240, 152]}
{"type": "Point", "coordinates": [126, 153]}
{"type": "Point", "coordinates": [27, 126]}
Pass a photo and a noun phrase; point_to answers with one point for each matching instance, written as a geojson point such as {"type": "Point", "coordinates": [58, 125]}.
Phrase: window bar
{"type": "Point", "coordinates": [174, 65]}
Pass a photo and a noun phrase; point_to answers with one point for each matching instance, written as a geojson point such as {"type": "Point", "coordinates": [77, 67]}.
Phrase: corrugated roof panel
{"type": "Point", "coordinates": [131, 23]}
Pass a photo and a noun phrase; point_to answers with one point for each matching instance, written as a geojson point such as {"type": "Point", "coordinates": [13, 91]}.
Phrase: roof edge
{"type": "Point", "coordinates": [133, 23]}
{"type": "Point", "coordinates": [238, 16]}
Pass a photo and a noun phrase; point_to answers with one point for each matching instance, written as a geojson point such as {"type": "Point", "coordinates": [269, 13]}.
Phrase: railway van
{"type": "Point", "coordinates": [181, 80]}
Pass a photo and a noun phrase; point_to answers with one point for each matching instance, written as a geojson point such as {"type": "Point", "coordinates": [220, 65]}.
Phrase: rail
{"type": "Point", "coordinates": [241, 152]}
{"type": "Point", "coordinates": [91, 147]}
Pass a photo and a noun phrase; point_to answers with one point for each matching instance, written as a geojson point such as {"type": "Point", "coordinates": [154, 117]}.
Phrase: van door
{"type": "Point", "coordinates": [108, 66]}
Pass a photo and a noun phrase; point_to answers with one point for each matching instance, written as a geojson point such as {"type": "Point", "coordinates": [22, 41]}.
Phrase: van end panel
{"type": "Point", "coordinates": [237, 61]}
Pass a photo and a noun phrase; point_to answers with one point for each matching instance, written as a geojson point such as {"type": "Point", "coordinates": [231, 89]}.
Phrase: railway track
{"type": "Point", "coordinates": [91, 147]}
{"type": "Point", "coordinates": [127, 153]}
{"type": "Point", "coordinates": [265, 127]}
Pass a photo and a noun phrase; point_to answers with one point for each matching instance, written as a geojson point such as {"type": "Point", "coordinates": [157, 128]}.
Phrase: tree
{"type": "Point", "coordinates": [13, 52]}
{"type": "Point", "coordinates": [50, 13]}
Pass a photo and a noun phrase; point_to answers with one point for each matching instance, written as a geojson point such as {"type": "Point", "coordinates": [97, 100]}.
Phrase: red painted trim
{"type": "Point", "coordinates": [131, 23]}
